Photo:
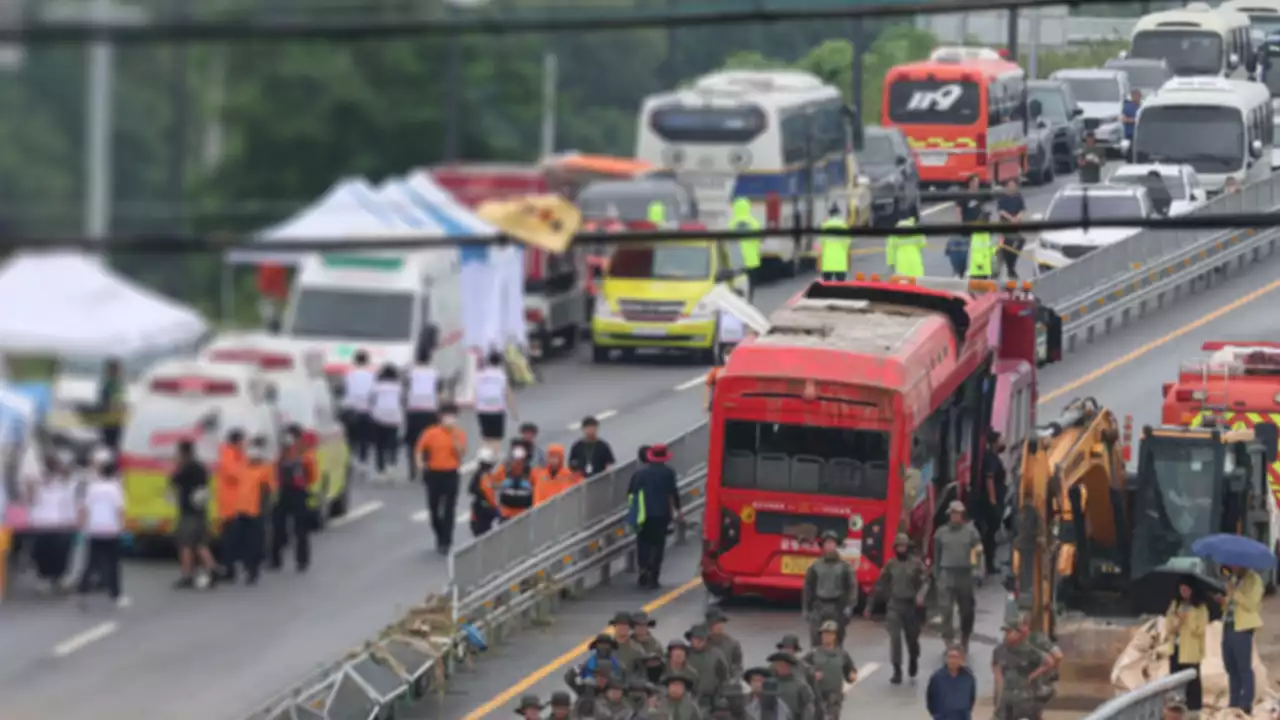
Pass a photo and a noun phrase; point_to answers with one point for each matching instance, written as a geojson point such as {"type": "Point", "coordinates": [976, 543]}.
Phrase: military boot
{"type": "Point", "coordinates": [913, 666]}
{"type": "Point", "coordinates": [897, 675]}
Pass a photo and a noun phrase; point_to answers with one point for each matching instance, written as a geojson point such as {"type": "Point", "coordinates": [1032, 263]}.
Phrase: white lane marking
{"type": "Point", "coordinates": [355, 514]}
{"type": "Point", "coordinates": [84, 639]}
{"type": "Point", "coordinates": [695, 382]}
{"type": "Point", "coordinates": [864, 672]}
{"type": "Point", "coordinates": [602, 415]}
{"type": "Point", "coordinates": [419, 517]}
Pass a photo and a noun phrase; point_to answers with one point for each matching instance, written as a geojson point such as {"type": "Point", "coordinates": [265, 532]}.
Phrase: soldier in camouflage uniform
{"type": "Point", "coordinates": [721, 710]}
{"type": "Point", "coordinates": [899, 587]}
{"type": "Point", "coordinates": [791, 644]}
{"type": "Point", "coordinates": [953, 568]}
{"type": "Point", "coordinates": [614, 704]}
{"type": "Point", "coordinates": [830, 589]}
{"type": "Point", "coordinates": [629, 651]}
{"type": "Point", "coordinates": [1016, 665]}
{"type": "Point", "coordinates": [793, 691]}
{"type": "Point", "coordinates": [642, 632]}
{"type": "Point", "coordinates": [730, 648]}
{"type": "Point", "coordinates": [561, 705]}
{"type": "Point", "coordinates": [832, 668]}
{"type": "Point", "coordinates": [709, 664]}
{"type": "Point", "coordinates": [765, 705]}
{"type": "Point", "coordinates": [1045, 686]}
{"type": "Point", "coordinates": [679, 703]}
{"type": "Point", "coordinates": [737, 700]}
{"type": "Point", "coordinates": [652, 666]}
{"type": "Point", "coordinates": [678, 662]}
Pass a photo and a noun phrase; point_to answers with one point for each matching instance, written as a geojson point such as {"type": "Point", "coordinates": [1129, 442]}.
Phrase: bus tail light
{"type": "Point", "coordinates": [730, 531]}
{"type": "Point", "coordinates": [873, 542]}
{"type": "Point", "coordinates": [982, 148]}
{"type": "Point", "coordinates": [1188, 395]}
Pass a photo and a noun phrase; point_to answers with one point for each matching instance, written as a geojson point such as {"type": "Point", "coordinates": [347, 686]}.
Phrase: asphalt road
{"type": "Point", "coordinates": [203, 655]}
{"type": "Point", "coordinates": [1123, 372]}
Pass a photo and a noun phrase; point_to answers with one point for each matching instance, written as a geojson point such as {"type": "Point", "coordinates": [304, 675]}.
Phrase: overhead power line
{"type": "Point", "coordinates": [215, 243]}
{"type": "Point", "coordinates": [355, 28]}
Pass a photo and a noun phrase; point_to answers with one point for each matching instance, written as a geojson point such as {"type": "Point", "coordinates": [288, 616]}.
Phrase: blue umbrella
{"type": "Point", "coordinates": [1235, 551]}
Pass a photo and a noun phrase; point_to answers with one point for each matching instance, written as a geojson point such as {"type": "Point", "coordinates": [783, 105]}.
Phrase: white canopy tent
{"type": "Point", "coordinates": [71, 304]}
{"type": "Point", "coordinates": [350, 210]}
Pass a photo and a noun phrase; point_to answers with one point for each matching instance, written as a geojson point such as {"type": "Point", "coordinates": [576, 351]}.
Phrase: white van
{"type": "Point", "coordinates": [1223, 128]}
{"type": "Point", "coordinates": [1196, 40]}
{"type": "Point", "coordinates": [186, 400]}
{"type": "Point", "coordinates": [381, 303]}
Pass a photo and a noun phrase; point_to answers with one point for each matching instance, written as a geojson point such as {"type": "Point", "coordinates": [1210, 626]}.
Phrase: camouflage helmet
{"type": "Point", "coordinates": [901, 540]}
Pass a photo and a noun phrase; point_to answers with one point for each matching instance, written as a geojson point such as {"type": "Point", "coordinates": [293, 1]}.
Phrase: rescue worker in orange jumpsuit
{"type": "Point", "coordinates": [232, 462]}
{"type": "Point", "coordinates": [510, 485]}
{"type": "Point", "coordinates": [483, 510]}
{"type": "Point", "coordinates": [553, 479]}
{"type": "Point", "coordinates": [296, 477]}
{"type": "Point", "coordinates": [256, 488]}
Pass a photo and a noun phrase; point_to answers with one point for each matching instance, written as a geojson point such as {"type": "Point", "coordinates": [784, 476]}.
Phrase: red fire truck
{"type": "Point", "coordinates": [1236, 385]}
{"type": "Point", "coordinates": [863, 409]}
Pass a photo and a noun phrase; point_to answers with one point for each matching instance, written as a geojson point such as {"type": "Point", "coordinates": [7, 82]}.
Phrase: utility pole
{"type": "Point", "coordinates": [180, 100]}
{"type": "Point", "coordinates": [550, 88]}
{"type": "Point", "coordinates": [99, 106]}
{"type": "Point", "coordinates": [857, 36]}
{"type": "Point", "coordinates": [1013, 35]}
{"type": "Point", "coordinates": [453, 10]}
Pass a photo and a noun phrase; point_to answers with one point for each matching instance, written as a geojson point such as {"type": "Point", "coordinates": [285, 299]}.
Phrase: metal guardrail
{"type": "Point", "coordinates": [517, 573]}
{"type": "Point", "coordinates": [512, 576]}
{"type": "Point", "coordinates": [1144, 703]}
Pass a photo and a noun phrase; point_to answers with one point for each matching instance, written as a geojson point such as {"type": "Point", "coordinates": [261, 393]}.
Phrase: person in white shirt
{"type": "Point", "coordinates": [422, 403]}
{"type": "Point", "coordinates": [102, 522]}
{"type": "Point", "coordinates": [387, 415]}
{"type": "Point", "coordinates": [53, 521]}
{"type": "Point", "coordinates": [357, 394]}
{"type": "Point", "coordinates": [493, 400]}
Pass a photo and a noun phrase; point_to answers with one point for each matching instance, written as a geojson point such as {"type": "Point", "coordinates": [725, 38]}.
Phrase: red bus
{"type": "Point", "coordinates": [963, 112]}
{"type": "Point", "coordinates": [862, 410]}
{"type": "Point", "coordinates": [1237, 385]}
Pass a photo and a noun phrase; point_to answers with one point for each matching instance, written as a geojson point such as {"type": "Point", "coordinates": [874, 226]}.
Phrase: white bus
{"type": "Point", "coordinates": [1196, 40]}
{"type": "Point", "coordinates": [1264, 15]}
{"type": "Point", "coordinates": [782, 138]}
{"type": "Point", "coordinates": [1223, 128]}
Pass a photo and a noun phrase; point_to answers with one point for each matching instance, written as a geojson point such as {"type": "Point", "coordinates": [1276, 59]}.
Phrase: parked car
{"type": "Point", "coordinates": [1185, 189]}
{"type": "Point", "coordinates": [1101, 94]}
{"type": "Point", "coordinates": [1145, 74]}
{"type": "Point", "coordinates": [887, 161]}
{"type": "Point", "coordinates": [1056, 248]}
{"type": "Point", "coordinates": [1054, 107]}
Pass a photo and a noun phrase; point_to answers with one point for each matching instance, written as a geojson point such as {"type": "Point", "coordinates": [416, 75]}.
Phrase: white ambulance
{"type": "Point", "coordinates": [381, 303]}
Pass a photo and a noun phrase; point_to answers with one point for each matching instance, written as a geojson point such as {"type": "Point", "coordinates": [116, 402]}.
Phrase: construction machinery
{"type": "Point", "coordinates": [1094, 542]}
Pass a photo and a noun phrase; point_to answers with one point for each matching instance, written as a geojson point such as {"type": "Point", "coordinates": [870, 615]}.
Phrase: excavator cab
{"type": "Point", "coordinates": [1194, 482]}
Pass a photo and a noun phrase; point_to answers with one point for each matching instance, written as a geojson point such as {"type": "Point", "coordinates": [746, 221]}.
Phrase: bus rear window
{"type": "Point", "coordinates": [676, 123]}
{"type": "Point", "coordinates": [813, 460]}
{"type": "Point", "coordinates": [934, 102]}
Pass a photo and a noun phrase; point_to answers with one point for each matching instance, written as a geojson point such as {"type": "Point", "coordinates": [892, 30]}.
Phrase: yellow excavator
{"type": "Point", "coordinates": [1093, 542]}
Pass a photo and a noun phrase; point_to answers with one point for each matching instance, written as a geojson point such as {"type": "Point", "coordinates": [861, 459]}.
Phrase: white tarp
{"type": "Point", "coordinates": [492, 278]}
{"type": "Point", "coordinates": [69, 303]}
{"type": "Point", "coordinates": [348, 211]}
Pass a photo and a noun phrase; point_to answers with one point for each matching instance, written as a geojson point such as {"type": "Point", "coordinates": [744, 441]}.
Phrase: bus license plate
{"type": "Point", "coordinates": [933, 158]}
{"type": "Point", "coordinates": [796, 564]}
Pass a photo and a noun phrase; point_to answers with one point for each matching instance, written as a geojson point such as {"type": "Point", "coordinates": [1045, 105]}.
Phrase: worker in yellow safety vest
{"type": "Point", "coordinates": [742, 219]}
{"type": "Point", "coordinates": [833, 260]}
{"type": "Point", "coordinates": [982, 254]}
{"type": "Point", "coordinates": [904, 251]}
{"type": "Point", "coordinates": [657, 213]}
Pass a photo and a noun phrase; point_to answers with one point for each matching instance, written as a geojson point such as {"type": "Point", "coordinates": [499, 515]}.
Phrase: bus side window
{"type": "Point", "coordinates": [795, 130]}
{"type": "Point", "coordinates": [995, 103]}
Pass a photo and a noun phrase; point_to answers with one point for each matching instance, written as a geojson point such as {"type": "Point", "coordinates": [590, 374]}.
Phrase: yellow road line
{"type": "Point", "coordinates": [1158, 342]}
{"type": "Point", "coordinates": [507, 696]}
{"type": "Point", "coordinates": [500, 701]}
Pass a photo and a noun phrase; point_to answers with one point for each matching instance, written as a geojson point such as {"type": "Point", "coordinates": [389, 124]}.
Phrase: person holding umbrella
{"type": "Point", "coordinates": [1243, 558]}
{"type": "Point", "coordinates": [1186, 621]}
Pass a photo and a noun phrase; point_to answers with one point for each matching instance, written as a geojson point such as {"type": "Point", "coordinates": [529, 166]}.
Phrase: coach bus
{"type": "Point", "coordinates": [964, 113]}
{"type": "Point", "coordinates": [783, 139]}
{"type": "Point", "coordinates": [861, 409]}
{"type": "Point", "coordinates": [1196, 40]}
